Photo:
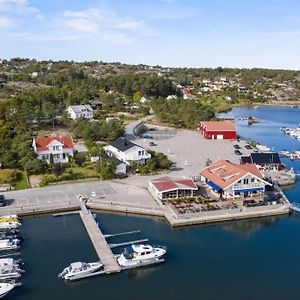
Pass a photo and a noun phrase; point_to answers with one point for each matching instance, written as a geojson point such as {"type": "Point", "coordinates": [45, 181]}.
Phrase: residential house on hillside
{"type": "Point", "coordinates": [126, 151]}
{"type": "Point", "coordinates": [80, 111]}
{"type": "Point", "coordinates": [234, 181]}
{"type": "Point", "coordinates": [59, 147]}
{"type": "Point", "coordinates": [144, 99]}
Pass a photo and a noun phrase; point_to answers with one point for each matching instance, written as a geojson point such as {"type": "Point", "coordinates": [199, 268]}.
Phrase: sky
{"type": "Point", "coordinates": [171, 33]}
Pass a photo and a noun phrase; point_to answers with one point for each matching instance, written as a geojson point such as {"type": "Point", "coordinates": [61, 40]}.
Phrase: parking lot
{"type": "Point", "coordinates": [190, 151]}
{"type": "Point", "coordinates": [66, 195]}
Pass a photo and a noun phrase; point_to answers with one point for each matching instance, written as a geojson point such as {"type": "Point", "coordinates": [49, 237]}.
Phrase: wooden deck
{"type": "Point", "coordinates": [99, 242]}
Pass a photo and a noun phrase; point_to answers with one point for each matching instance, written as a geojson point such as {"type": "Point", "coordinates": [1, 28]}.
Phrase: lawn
{"type": "Point", "coordinates": [84, 172]}
{"type": "Point", "coordinates": [21, 182]}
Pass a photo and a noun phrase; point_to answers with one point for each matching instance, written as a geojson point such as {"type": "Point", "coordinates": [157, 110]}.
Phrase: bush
{"type": "Point", "coordinates": [7, 175]}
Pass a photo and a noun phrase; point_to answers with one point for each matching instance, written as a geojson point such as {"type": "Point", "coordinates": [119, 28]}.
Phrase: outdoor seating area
{"type": "Point", "coordinates": [199, 204]}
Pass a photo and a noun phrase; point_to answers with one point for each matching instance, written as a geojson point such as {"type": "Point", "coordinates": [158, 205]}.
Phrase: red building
{"type": "Point", "coordinates": [218, 130]}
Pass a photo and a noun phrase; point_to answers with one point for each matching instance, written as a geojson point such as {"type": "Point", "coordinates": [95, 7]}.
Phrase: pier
{"type": "Point", "coordinates": [99, 242]}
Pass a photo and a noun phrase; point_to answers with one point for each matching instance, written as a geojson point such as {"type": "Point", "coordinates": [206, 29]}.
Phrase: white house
{"type": "Point", "coordinates": [144, 99]}
{"type": "Point", "coordinates": [80, 111]}
{"type": "Point", "coordinates": [126, 151]}
{"type": "Point", "coordinates": [234, 181]}
{"type": "Point", "coordinates": [60, 147]}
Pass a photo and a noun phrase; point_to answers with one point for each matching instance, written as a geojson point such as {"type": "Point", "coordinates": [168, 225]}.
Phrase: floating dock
{"type": "Point", "coordinates": [99, 242]}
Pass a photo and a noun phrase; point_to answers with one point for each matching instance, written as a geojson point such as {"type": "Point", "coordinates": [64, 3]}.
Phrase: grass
{"type": "Point", "coordinates": [21, 182]}
{"type": "Point", "coordinates": [84, 172]}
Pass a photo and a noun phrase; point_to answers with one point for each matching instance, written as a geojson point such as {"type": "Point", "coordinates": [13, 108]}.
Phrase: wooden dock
{"type": "Point", "coordinates": [99, 242]}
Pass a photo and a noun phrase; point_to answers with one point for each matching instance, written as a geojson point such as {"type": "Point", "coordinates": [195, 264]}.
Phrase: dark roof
{"type": "Point", "coordinates": [265, 158]}
{"type": "Point", "coordinates": [122, 144]}
{"type": "Point", "coordinates": [246, 160]}
{"type": "Point", "coordinates": [109, 156]}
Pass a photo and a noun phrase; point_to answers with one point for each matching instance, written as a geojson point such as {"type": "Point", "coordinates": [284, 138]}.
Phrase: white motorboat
{"type": "Point", "coordinates": [6, 245]}
{"type": "Point", "coordinates": [9, 272]}
{"type": "Point", "coordinates": [10, 262]}
{"type": "Point", "coordinates": [9, 225]}
{"type": "Point", "coordinates": [79, 269]}
{"type": "Point", "coordinates": [138, 254]}
{"type": "Point", "coordinates": [5, 288]}
{"type": "Point", "coordinates": [263, 148]}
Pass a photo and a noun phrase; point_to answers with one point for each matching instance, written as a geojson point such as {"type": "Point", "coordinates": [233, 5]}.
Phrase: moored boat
{"type": "Point", "coordinates": [6, 245]}
{"type": "Point", "coordinates": [135, 255]}
{"type": "Point", "coordinates": [263, 148]}
{"type": "Point", "coordinates": [5, 288]}
{"type": "Point", "coordinates": [9, 225]}
{"type": "Point", "coordinates": [78, 270]}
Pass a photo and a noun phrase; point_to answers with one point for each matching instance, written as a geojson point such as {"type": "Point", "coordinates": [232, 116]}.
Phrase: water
{"type": "Point", "coordinates": [251, 259]}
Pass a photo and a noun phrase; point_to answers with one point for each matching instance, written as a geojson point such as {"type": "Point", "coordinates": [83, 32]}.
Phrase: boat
{"type": "Point", "coordinates": [5, 288]}
{"type": "Point", "coordinates": [6, 245]}
{"type": "Point", "coordinates": [284, 153]}
{"type": "Point", "coordinates": [9, 225]}
{"type": "Point", "coordinates": [79, 269]}
{"type": "Point", "coordinates": [10, 272]}
{"type": "Point", "coordinates": [263, 148]}
{"type": "Point", "coordinates": [13, 263]}
{"type": "Point", "coordinates": [9, 218]}
{"type": "Point", "coordinates": [135, 255]}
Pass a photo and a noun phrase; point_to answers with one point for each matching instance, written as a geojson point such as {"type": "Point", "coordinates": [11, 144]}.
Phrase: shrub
{"type": "Point", "coordinates": [7, 175]}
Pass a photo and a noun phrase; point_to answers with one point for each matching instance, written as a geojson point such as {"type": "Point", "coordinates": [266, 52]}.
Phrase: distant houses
{"type": "Point", "coordinates": [80, 111]}
{"type": "Point", "coordinates": [126, 151]}
{"type": "Point", "coordinates": [218, 130]}
{"type": "Point", "coordinates": [59, 147]}
{"type": "Point", "coordinates": [231, 181]}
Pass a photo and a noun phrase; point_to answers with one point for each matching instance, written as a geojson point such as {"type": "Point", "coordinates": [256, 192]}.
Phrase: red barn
{"type": "Point", "coordinates": [218, 130]}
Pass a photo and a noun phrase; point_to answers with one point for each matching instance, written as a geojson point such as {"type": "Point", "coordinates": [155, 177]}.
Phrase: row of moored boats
{"type": "Point", "coordinates": [10, 241]}
{"type": "Point", "coordinates": [292, 132]}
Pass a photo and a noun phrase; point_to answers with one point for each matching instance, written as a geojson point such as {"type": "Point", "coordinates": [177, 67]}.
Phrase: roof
{"type": "Point", "coordinates": [224, 173]}
{"type": "Point", "coordinates": [246, 160]}
{"type": "Point", "coordinates": [218, 125]}
{"type": "Point", "coordinates": [123, 144]}
{"type": "Point", "coordinates": [43, 142]}
{"type": "Point", "coordinates": [166, 183]}
{"type": "Point", "coordinates": [81, 108]}
{"type": "Point", "coordinates": [265, 158]}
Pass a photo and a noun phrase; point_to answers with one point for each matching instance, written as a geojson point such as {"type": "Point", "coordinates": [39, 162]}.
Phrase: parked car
{"type": "Point", "coordinates": [3, 201]}
{"type": "Point", "coordinates": [248, 147]}
{"type": "Point", "coordinates": [237, 152]}
{"type": "Point", "coordinates": [236, 146]}
{"type": "Point", "coordinates": [152, 144]}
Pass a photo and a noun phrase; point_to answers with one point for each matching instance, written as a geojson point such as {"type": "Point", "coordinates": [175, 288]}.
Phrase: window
{"type": "Point", "coordinates": [140, 153]}
{"type": "Point", "coordinates": [252, 179]}
{"type": "Point", "coordinates": [55, 148]}
{"type": "Point", "coordinates": [246, 181]}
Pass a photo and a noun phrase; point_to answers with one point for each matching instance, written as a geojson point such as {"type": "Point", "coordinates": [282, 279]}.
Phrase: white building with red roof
{"type": "Point", "coordinates": [218, 130]}
{"type": "Point", "coordinates": [234, 181]}
{"type": "Point", "coordinates": [166, 187]}
{"type": "Point", "coordinates": [60, 147]}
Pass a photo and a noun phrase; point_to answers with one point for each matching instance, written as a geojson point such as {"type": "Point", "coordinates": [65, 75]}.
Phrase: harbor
{"type": "Point", "coordinates": [72, 235]}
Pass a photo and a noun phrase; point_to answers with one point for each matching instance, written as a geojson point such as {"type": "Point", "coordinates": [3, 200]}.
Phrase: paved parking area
{"type": "Point", "coordinates": [190, 151]}
{"type": "Point", "coordinates": [65, 195]}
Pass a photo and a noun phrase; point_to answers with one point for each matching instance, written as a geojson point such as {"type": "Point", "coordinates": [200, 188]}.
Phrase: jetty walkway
{"type": "Point", "coordinates": [99, 242]}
